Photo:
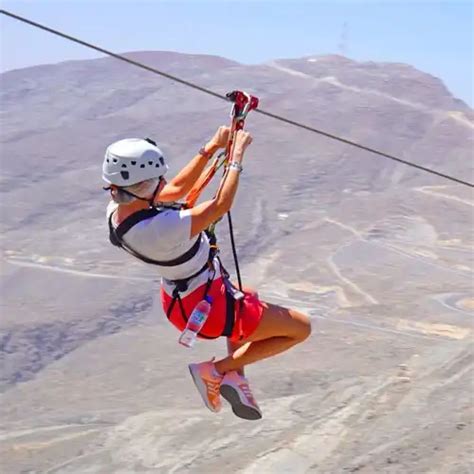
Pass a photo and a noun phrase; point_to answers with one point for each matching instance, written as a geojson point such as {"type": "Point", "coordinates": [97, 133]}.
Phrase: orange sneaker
{"type": "Point", "coordinates": [236, 390]}
{"type": "Point", "coordinates": [207, 381]}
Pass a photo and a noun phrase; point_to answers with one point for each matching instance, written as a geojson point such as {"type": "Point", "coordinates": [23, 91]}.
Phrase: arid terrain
{"type": "Point", "coordinates": [379, 254]}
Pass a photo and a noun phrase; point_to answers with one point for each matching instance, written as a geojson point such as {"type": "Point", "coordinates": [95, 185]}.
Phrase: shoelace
{"type": "Point", "coordinates": [247, 392]}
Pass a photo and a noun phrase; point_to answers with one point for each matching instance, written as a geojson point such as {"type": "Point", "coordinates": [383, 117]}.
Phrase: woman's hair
{"type": "Point", "coordinates": [143, 189]}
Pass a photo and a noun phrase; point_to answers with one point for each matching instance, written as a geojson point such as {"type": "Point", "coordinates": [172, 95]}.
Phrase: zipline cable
{"type": "Point", "coordinates": [222, 97]}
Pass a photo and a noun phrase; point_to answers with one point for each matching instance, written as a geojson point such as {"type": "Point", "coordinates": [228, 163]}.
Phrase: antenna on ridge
{"type": "Point", "coordinates": [343, 46]}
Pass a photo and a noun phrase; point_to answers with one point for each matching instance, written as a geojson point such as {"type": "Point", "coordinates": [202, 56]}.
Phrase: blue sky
{"type": "Point", "coordinates": [435, 37]}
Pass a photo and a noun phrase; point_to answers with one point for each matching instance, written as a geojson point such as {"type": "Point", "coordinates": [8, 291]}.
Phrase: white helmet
{"type": "Point", "coordinates": [131, 161]}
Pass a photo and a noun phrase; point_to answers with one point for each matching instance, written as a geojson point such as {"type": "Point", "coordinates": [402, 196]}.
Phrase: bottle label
{"type": "Point", "coordinates": [198, 317]}
{"type": "Point", "coordinates": [196, 321]}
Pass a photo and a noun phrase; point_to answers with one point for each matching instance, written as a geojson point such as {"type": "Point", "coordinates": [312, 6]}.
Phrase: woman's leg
{"type": "Point", "coordinates": [232, 346]}
{"type": "Point", "coordinates": [279, 329]}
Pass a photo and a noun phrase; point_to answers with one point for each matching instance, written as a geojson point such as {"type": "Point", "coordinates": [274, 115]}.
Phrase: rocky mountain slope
{"type": "Point", "coordinates": [379, 254]}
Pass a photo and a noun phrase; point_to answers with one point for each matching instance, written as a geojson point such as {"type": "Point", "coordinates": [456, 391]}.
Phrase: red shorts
{"type": "Point", "coordinates": [246, 316]}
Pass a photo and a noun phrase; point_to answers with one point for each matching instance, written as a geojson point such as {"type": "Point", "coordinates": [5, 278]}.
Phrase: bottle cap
{"type": "Point", "coordinates": [208, 299]}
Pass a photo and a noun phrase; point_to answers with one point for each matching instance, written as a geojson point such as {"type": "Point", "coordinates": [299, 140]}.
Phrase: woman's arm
{"type": "Point", "coordinates": [182, 183]}
{"type": "Point", "coordinates": [210, 211]}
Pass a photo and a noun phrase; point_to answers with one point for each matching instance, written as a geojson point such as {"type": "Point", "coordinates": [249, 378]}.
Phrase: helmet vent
{"type": "Point", "coordinates": [115, 160]}
{"type": "Point", "coordinates": [150, 163]}
{"type": "Point", "coordinates": [124, 165]}
{"type": "Point", "coordinates": [133, 163]}
{"type": "Point", "coordinates": [142, 166]}
{"type": "Point", "coordinates": [162, 160]}
{"type": "Point", "coordinates": [124, 174]}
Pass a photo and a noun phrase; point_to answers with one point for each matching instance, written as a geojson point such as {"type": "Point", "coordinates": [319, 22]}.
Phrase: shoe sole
{"type": "Point", "coordinates": [240, 409]}
{"type": "Point", "coordinates": [202, 389]}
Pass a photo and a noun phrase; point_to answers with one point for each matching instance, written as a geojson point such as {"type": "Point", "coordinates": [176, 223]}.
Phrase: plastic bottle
{"type": "Point", "coordinates": [195, 322]}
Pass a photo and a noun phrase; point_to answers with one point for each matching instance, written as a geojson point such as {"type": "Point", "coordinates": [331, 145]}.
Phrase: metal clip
{"type": "Point", "coordinates": [232, 290]}
{"type": "Point", "coordinates": [243, 103]}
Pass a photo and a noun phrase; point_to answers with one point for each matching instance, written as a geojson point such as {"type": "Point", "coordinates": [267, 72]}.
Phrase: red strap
{"type": "Point", "coordinates": [200, 184]}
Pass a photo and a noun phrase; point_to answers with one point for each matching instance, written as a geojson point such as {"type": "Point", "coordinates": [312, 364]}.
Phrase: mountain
{"type": "Point", "coordinates": [378, 253]}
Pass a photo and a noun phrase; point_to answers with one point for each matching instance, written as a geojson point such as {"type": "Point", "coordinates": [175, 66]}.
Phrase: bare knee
{"type": "Point", "coordinates": [303, 329]}
{"type": "Point", "coordinates": [282, 322]}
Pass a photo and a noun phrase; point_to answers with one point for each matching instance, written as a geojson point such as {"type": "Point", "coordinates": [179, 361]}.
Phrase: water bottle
{"type": "Point", "coordinates": [195, 322]}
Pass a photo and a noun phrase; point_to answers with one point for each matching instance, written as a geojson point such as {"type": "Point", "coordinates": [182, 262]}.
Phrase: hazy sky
{"type": "Point", "coordinates": [435, 37]}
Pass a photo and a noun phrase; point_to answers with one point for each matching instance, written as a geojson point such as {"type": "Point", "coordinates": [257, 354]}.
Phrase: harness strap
{"type": "Point", "coordinates": [182, 285]}
{"type": "Point", "coordinates": [116, 238]}
{"type": "Point", "coordinates": [181, 307]}
{"type": "Point", "coordinates": [229, 314]}
{"type": "Point", "coordinates": [132, 220]}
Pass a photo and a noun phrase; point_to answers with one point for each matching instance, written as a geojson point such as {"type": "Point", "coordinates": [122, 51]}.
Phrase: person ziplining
{"type": "Point", "coordinates": [147, 220]}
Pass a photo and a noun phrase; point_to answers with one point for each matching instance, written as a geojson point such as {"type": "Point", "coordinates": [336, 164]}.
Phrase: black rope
{"type": "Point", "coordinates": [234, 250]}
{"type": "Point", "coordinates": [222, 97]}
{"type": "Point", "coordinates": [366, 148]}
{"type": "Point", "coordinates": [110, 53]}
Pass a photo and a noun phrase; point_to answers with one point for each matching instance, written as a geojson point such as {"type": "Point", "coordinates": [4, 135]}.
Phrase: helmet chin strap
{"type": "Point", "coordinates": [160, 180]}
{"type": "Point", "coordinates": [149, 201]}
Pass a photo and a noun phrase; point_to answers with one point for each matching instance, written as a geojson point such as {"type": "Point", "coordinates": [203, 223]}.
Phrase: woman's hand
{"type": "Point", "coordinates": [221, 137]}
{"type": "Point", "coordinates": [242, 140]}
